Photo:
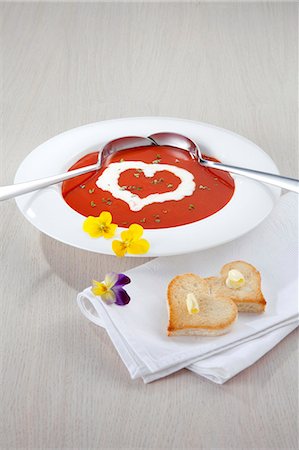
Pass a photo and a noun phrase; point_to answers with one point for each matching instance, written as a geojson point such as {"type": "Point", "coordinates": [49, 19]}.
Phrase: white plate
{"type": "Point", "coordinates": [250, 204]}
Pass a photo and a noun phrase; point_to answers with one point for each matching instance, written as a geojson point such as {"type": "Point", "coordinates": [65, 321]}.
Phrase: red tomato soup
{"type": "Point", "coordinates": [209, 191]}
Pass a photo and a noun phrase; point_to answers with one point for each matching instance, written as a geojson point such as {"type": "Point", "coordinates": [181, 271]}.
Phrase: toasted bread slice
{"type": "Point", "coordinates": [249, 297]}
{"type": "Point", "coordinates": [215, 316]}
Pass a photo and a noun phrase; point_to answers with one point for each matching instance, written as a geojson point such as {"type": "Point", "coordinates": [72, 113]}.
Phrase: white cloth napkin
{"type": "Point", "coordinates": [138, 330]}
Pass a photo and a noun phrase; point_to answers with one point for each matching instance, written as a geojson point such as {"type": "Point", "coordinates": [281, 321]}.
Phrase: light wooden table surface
{"type": "Point", "coordinates": [63, 385]}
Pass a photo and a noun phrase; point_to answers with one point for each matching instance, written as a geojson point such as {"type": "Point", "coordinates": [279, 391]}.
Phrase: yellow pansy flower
{"type": "Point", "coordinates": [100, 226]}
{"type": "Point", "coordinates": [131, 242]}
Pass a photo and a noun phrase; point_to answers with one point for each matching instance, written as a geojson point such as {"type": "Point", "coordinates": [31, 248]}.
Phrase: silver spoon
{"type": "Point", "coordinates": [180, 141]}
{"type": "Point", "coordinates": [163, 138]}
{"type": "Point", "coordinates": [14, 190]}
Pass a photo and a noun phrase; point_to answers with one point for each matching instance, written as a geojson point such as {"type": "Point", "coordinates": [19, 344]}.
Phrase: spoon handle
{"type": "Point", "coordinates": [284, 182]}
{"type": "Point", "coordinates": [14, 190]}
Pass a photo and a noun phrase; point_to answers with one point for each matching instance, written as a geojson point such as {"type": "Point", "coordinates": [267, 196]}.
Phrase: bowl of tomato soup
{"type": "Point", "coordinates": [182, 206]}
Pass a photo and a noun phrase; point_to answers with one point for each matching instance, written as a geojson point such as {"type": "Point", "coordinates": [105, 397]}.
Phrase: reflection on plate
{"type": "Point", "coordinates": [249, 205]}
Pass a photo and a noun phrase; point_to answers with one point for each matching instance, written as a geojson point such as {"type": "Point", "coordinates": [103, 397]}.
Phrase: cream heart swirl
{"type": "Point", "coordinates": [108, 181]}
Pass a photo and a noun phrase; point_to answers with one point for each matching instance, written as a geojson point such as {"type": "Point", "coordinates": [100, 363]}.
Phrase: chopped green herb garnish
{"type": "Point", "coordinates": [82, 186]}
{"type": "Point", "coordinates": [191, 206]}
{"type": "Point", "coordinates": [92, 204]}
{"type": "Point", "coordinates": [107, 201]}
{"type": "Point", "coordinates": [157, 181]}
{"type": "Point", "coordinates": [91, 191]}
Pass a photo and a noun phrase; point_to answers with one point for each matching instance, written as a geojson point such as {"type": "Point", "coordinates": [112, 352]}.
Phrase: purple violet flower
{"type": "Point", "coordinates": [111, 289]}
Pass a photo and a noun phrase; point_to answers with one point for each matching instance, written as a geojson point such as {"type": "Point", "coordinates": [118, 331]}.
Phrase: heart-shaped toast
{"type": "Point", "coordinates": [249, 297]}
{"type": "Point", "coordinates": [215, 316]}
